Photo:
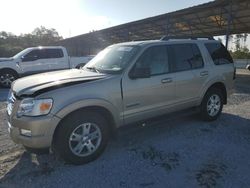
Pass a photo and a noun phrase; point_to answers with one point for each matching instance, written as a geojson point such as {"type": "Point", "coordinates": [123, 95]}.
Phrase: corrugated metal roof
{"type": "Point", "coordinates": [209, 19]}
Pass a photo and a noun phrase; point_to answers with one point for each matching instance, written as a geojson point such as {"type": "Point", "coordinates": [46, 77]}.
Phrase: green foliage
{"type": "Point", "coordinates": [242, 53]}
{"type": "Point", "coordinates": [239, 39]}
{"type": "Point", "coordinates": [240, 48]}
{"type": "Point", "coordinates": [11, 44]}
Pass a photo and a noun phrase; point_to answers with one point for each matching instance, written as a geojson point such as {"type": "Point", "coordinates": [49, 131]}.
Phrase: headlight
{"type": "Point", "coordinates": [34, 107]}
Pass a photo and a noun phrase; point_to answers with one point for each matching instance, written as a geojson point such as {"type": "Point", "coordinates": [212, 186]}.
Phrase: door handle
{"type": "Point", "coordinates": [166, 80]}
{"type": "Point", "coordinates": [204, 73]}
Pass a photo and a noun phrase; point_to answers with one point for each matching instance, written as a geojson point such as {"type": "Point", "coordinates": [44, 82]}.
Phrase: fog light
{"type": "Point", "coordinates": [25, 132]}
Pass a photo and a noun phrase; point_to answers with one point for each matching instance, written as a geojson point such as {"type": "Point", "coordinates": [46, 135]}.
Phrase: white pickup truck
{"type": "Point", "coordinates": [37, 60]}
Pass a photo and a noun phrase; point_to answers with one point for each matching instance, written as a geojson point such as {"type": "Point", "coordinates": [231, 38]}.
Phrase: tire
{"type": "Point", "coordinates": [248, 67]}
{"type": "Point", "coordinates": [73, 140]}
{"type": "Point", "coordinates": [7, 77]}
{"type": "Point", "coordinates": [212, 104]}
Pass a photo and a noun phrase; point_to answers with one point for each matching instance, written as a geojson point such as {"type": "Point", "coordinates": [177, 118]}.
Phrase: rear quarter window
{"type": "Point", "coordinates": [185, 57]}
{"type": "Point", "coordinates": [219, 53]}
{"type": "Point", "coordinates": [52, 53]}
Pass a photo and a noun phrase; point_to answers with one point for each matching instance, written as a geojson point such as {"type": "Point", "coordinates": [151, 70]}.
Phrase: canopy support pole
{"type": "Point", "coordinates": [229, 21]}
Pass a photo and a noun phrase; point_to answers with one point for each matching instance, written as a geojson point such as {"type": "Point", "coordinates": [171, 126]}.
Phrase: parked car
{"type": "Point", "coordinates": [75, 111]}
{"type": "Point", "coordinates": [37, 60]}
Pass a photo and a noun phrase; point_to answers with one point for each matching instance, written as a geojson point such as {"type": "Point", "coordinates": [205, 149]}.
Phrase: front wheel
{"type": "Point", "coordinates": [248, 67]}
{"type": "Point", "coordinates": [7, 77]}
{"type": "Point", "coordinates": [212, 105]}
{"type": "Point", "coordinates": [82, 137]}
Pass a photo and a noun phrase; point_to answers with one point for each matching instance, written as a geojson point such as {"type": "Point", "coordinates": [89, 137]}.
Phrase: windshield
{"type": "Point", "coordinates": [112, 59]}
{"type": "Point", "coordinates": [20, 54]}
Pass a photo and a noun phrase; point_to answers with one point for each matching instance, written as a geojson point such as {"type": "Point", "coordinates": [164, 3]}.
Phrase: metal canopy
{"type": "Point", "coordinates": [220, 17]}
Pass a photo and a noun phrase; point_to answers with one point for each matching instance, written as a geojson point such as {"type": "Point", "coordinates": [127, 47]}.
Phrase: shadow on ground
{"type": "Point", "coordinates": [159, 154]}
{"type": "Point", "coordinates": [3, 94]}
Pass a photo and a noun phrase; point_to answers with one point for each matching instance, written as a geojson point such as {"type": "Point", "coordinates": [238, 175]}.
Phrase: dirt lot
{"type": "Point", "coordinates": [169, 152]}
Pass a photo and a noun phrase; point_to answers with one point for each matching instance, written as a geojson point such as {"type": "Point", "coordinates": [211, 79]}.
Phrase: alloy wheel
{"type": "Point", "coordinates": [213, 105]}
{"type": "Point", "coordinates": [85, 139]}
{"type": "Point", "coordinates": [6, 79]}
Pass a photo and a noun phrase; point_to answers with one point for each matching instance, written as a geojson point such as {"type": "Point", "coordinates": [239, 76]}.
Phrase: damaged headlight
{"type": "Point", "coordinates": [34, 107]}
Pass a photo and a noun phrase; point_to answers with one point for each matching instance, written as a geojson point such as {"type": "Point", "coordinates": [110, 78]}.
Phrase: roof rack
{"type": "Point", "coordinates": [187, 37]}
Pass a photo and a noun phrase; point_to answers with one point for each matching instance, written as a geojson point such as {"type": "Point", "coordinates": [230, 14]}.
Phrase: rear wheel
{"type": "Point", "coordinates": [7, 77]}
{"type": "Point", "coordinates": [82, 137]}
{"type": "Point", "coordinates": [212, 105]}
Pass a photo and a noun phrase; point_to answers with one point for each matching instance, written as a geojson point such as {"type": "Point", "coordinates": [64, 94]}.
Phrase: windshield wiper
{"type": "Point", "coordinates": [93, 68]}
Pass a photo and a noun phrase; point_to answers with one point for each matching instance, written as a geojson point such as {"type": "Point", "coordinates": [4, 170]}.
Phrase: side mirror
{"type": "Point", "coordinates": [139, 73]}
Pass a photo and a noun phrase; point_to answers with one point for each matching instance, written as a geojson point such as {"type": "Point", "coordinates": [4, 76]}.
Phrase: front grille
{"type": "Point", "coordinates": [11, 101]}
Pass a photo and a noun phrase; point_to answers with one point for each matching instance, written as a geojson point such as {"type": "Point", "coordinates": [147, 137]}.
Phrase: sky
{"type": "Point", "coordinates": [76, 17]}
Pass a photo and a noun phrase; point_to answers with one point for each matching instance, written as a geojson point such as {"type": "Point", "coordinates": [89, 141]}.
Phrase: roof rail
{"type": "Point", "coordinates": [187, 37]}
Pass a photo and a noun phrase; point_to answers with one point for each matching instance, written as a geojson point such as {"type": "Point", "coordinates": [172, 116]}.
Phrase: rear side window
{"type": "Point", "coordinates": [51, 53]}
{"type": "Point", "coordinates": [185, 57]}
{"type": "Point", "coordinates": [219, 53]}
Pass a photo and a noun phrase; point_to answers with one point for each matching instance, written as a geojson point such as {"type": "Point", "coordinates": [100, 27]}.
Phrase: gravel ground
{"type": "Point", "coordinates": [3, 94]}
{"type": "Point", "coordinates": [174, 151]}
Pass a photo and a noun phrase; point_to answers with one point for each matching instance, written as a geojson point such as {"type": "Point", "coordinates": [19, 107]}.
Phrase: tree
{"type": "Point", "coordinates": [240, 48]}
{"type": "Point", "coordinates": [239, 39]}
{"type": "Point", "coordinates": [11, 44]}
{"type": "Point", "coordinates": [46, 36]}
{"type": "Point", "coordinates": [241, 54]}
{"type": "Point", "coordinates": [245, 35]}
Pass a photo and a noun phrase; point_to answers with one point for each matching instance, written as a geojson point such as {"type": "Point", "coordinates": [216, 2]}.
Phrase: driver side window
{"type": "Point", "coordinates": [32, 56]}
{"type": "Point", "coordinates": [155, 58]}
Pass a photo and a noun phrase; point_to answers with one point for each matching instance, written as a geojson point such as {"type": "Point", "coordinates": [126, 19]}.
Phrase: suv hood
{"type": "Point", "coordinates": [6, 59]}
{"type": "Point", "coordinates": [37, 84]}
